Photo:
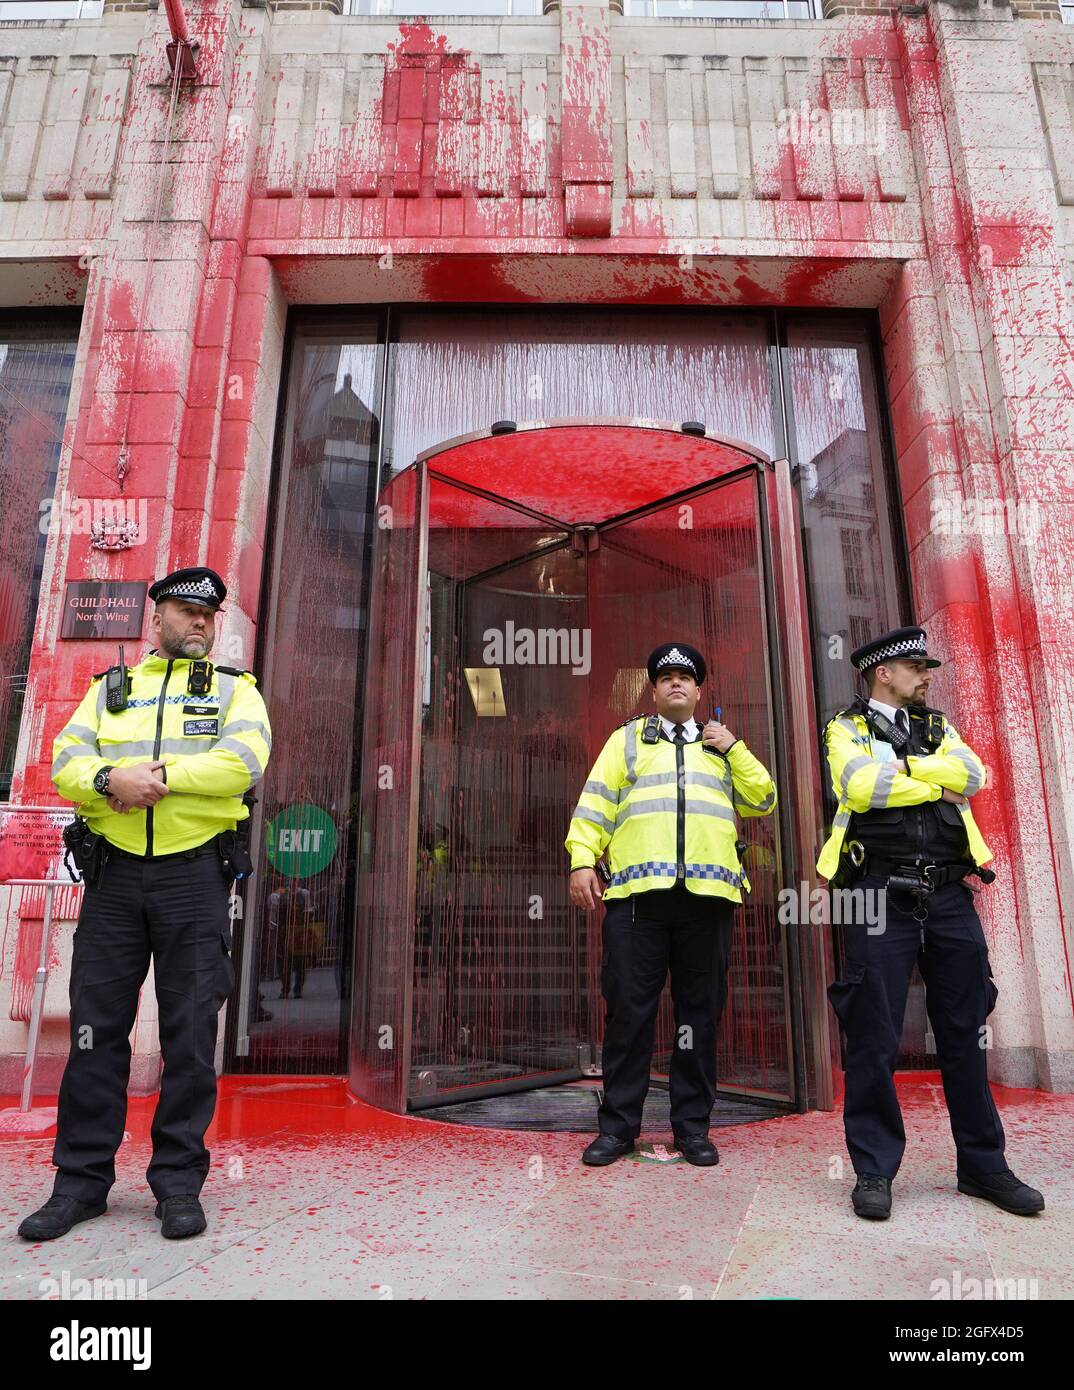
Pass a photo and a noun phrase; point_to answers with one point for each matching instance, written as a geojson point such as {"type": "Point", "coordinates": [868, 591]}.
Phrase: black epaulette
{"type": "Point", "coordinates": [232, 671]}
{"type": "Point", "coordinates": [99, 675]}
{"type": "Point", "coordinates": [631, 720]}
{"type": "Point", "coordinates": [857, 706]}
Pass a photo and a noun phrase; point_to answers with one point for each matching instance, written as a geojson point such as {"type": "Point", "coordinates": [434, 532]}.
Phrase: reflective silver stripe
{"type": "Point", "coordinates": [707, 779]}
{"type": "Point", "coordinates": [225, 692]}
{"type": "Point", "coordinates": [82, 732]}
{"type": "Point", "coordinates": [631, 752]}
{"type": "Point", "coordinates": [584, 813]}
{"type": "Point", "coordinates": [854, 765]}
{"type": "Point", "coordinates": [885, 777]}
{"type": "Point", "coordinates": [77, 750]}
{"type": "Point", "coordinates": [595, 788]}
{"type": "Point", "coordinates": [656, 779]}
{"type": "Point", "coordinates": [848, 726]}
{"type": "Point", "coordinates": [841, 821]}
{"type": "Point", "coordinates": [694, 779]}
{"type": "Point", "coordinates": [974, 780]}
{"type": "Point", "coordinates": [241, 750]}
{"type": "Point", "coordinates": [645, 805]}
{"type": "Point", "coordinates": [139, 749]}
{"type": "Point", "coordinates": [247, 726]}
{"type": "Point", "coordinates": [709, 808]}
{"type": "Point", "coordinates": [765, 805]}
{"type": "Point", "coordinates": [102, 693]}
{"type": "Point", "coordinates": [144, 747]}
{"type": "Point", "coordinates": [187, 746]}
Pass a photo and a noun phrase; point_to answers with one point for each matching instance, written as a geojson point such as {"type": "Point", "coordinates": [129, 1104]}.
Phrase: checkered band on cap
{"type": "Point", "coordinates": [191, 588]}
{"type": "Point", "coordinates": [911, 646]}
{"type": "Point", "coordinates": [677, 658]}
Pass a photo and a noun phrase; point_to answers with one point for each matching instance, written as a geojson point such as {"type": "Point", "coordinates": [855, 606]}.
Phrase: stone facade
{"type": "Point", "coordinates": [583, 156]}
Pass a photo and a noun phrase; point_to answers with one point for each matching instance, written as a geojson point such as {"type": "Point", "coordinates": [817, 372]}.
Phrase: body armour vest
{"type": "Point", "coordinates": [934, 830]}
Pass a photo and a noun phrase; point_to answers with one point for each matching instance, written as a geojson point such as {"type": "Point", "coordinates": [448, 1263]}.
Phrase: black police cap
{"type": "Point", "coordinates": [902, 644]}
{"type": "Point", "coordinates": [198, 584]}
{"type": "Point", "coordinates": [676, 656]}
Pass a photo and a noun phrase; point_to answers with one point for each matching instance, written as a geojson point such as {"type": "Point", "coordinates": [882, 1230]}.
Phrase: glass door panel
{"type": "Point", "coordinates": [693, 570]}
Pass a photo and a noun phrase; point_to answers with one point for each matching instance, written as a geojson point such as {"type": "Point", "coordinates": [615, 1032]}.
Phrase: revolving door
{"type": "Point", "coordinates": [520, 579]}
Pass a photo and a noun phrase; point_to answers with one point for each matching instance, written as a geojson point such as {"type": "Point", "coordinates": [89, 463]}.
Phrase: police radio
{"type": "Point", "coordinates": [717, 710]}
{"type": "Point", "coordinates": [117, 686]}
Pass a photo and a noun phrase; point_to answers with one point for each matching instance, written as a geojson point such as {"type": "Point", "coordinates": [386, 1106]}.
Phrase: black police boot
{"type": "Point", "coordinates": [697, 1149]}
{"type": "Point", "coordinates": [606, 1149]}
{"type": "Point", "coordinates": [872, 1197]}
{"type": "Point", "coordinates": [180, 1216]}
{"type": "Point", "coordinates": [58, 1215]}
{"type": "Point", "coordinates": [1004, 1190]}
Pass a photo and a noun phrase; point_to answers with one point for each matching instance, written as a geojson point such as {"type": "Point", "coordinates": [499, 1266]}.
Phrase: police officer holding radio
{"type": "Point", "coordinates": [903, 777]}
{"type": "Point", "coordinates": [661, 803]}
{"type": "Point", "coordinates": [159, 759]}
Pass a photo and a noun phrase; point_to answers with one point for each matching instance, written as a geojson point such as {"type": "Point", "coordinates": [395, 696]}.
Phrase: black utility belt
{"type": "Point", "coordinates": [936, 875]}
{"type": "Point", "coordinates": [209, 847]}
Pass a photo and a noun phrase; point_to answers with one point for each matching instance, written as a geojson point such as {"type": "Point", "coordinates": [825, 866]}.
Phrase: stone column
{"type": "Point", "coordinates": [978, 342]}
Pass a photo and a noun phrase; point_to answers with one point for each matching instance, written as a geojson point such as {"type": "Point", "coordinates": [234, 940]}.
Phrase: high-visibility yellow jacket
{"type": "Point", "coordinates": [214, 747]}
{"type": "Point", "coordinates": [864, 783]}
{"type": "Point", "coordinates": [658, 827]}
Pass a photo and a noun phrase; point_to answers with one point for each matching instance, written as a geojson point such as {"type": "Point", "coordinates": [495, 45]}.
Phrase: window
{"type": "Point", "coordinates": [297, 916]}
{"type": "Point", "coordinates": [851, 528]}
{"type": "Point", "coordinates": [854, 563]}
{"type": "Point", "coordinates": [722, 9]}
{"type": "Point", "coordinates": [443, 7]}
{"type": "Point", "coordinates": [50, 9]}
{"type": "Point", "coordinates": [36, 363]}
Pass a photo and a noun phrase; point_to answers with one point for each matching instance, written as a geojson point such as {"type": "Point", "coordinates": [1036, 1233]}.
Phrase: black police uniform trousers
{"type": "Point", "coordinates": [177, 910]}
{"type": "Point", "coordinates": [643, 936]}
{"type": "Point", "coordinates": [870, 1001]}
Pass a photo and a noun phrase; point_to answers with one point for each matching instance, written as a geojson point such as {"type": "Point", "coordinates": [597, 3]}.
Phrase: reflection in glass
{"type": "Point", "coordinates": [36, 366]}
{"type": "Point", "coordinates": [850, 525]}
{"type": "Point", "coordinates": [298, 911]}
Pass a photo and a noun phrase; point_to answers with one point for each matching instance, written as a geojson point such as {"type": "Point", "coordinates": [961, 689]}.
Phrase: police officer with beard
{"type": "Point", "coordinates": [904, 829]}
{"type": "Point", "coordinates": [158, 759]}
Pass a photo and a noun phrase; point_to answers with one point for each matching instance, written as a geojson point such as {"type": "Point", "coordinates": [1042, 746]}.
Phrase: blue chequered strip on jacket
{"type": "Point", "coordinates": [662, 868]}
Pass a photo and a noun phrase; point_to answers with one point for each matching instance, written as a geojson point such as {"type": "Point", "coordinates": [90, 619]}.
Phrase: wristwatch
{"type": "Point", "coordinates": [100, 782]}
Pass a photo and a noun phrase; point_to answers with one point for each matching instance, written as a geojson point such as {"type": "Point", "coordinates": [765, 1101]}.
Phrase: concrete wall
{"type": "Point", "coordinates": [583, 156]}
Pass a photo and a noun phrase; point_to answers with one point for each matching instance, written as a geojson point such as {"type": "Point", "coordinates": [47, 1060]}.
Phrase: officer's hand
{"type": "Point", "coordinates": [139, 785]}
{"type": "Point", "coordinates": [116, 805]}
{"type": "Point", "coordinates": [956, 797]}
{"type": "Point", "coordinates": [717, 735]}
{"type": "Point", "coordinates": [586, 889]}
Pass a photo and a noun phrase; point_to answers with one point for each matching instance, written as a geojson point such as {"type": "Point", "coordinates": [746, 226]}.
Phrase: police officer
{"type": "Point", "coordinates": [158, 760]}
{"type": "Point", "coordinates": [904, 834]}
{"type": "Point", "coordinates": [661, 803]}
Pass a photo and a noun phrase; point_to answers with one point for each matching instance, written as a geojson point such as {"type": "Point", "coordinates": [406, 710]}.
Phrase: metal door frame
{"type": "Point", "coordinates": [788, 667]}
